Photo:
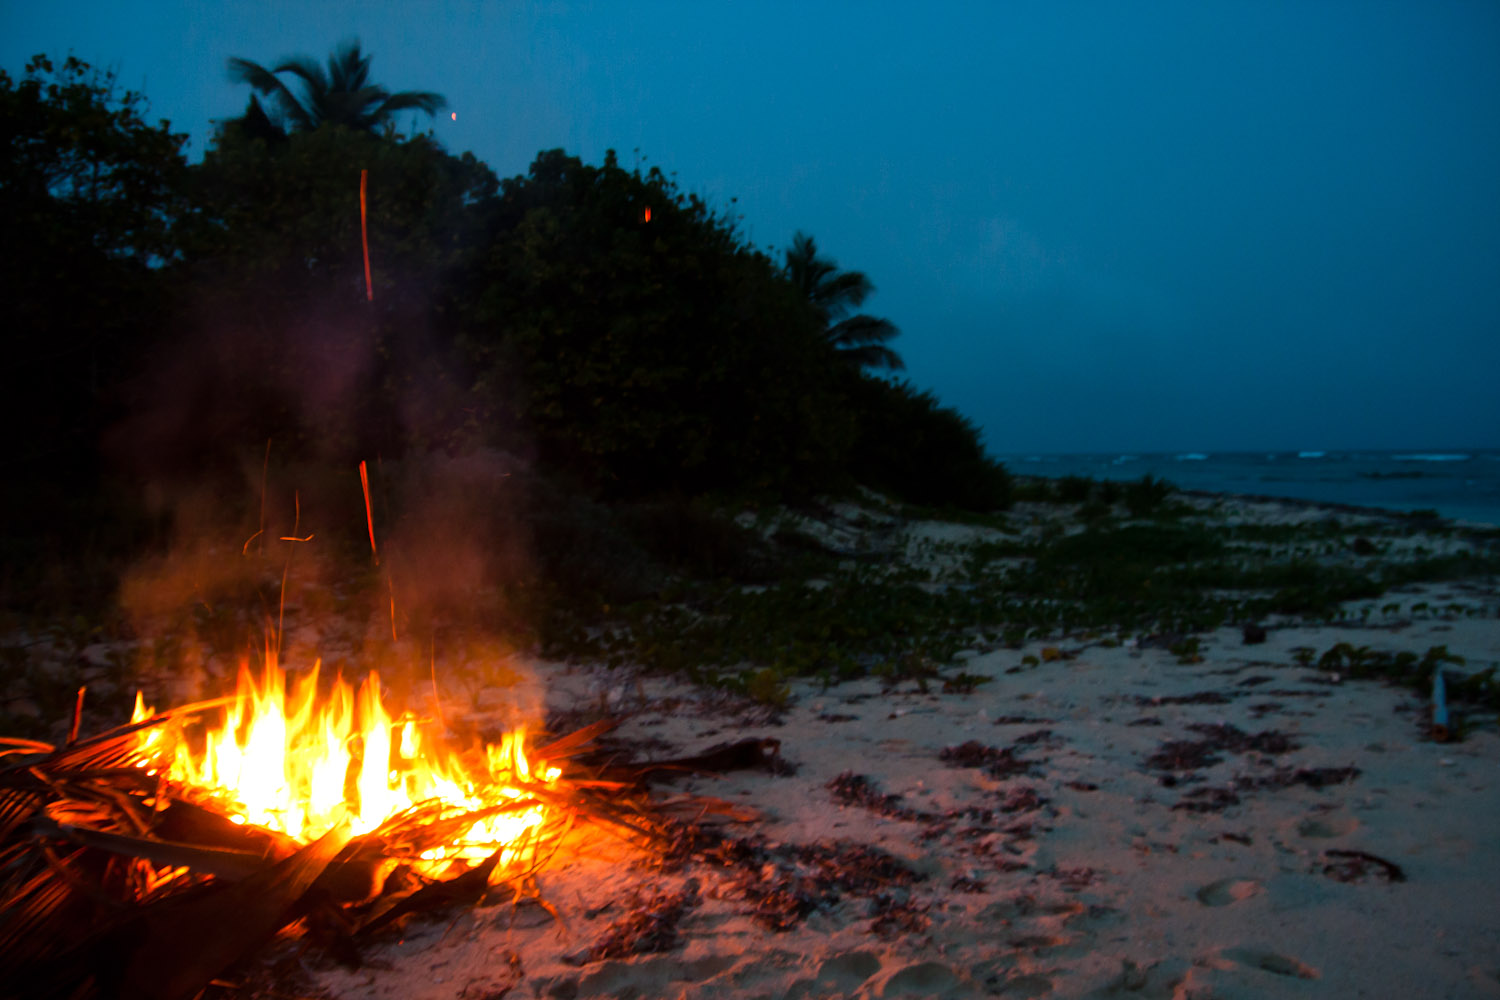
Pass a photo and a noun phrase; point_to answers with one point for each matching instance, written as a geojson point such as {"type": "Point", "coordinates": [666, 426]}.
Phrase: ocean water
{"type": "Point", "coordinates": [1462, 484]}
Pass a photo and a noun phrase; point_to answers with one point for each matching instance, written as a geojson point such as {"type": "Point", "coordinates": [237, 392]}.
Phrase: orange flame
{"type": "Point", "coordinates": [300, 764]}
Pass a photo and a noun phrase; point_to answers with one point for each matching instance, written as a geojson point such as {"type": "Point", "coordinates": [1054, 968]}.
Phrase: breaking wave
{"type": "Point", "coordinates": [1436, 456]}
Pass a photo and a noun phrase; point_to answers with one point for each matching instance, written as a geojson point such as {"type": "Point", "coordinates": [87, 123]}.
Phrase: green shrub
{"type": "Point", "coordinates": [649, 356]}
{"type": "Point", "coordinates": [691, 539]}
{"type": "Point", "coordinates": [1145, 496]}
{"type": "Point", "coordinates": [909, 445]}
{"type": "Point", "coordinates": [1074, 489]}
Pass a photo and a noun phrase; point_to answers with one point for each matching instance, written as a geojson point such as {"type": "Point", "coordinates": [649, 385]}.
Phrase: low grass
{"type": "Point", "coordinates": [1177, 573]}
{"type": "Point", "coordinates": [680, 587]}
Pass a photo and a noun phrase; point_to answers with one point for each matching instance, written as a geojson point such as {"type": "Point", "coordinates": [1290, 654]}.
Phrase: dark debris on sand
{"type": "Point", "coordinates": [1190, 755]}
{"type": "Point", "coordinates": [1046, 737]}
{"type": "Point", "coordinates": [850, 789]}
{"type": "Point", "coordinates": [1206, 800]}
{"type": "Point", "coordinates": [793, 880]}
{"type": "Point", "coordinates": [783, 883]}
{"type": "Point", "coordinates": [1198, 698]}
{"type": "Point", "coordinates": [1023, 799]}
{"type": "Point", "coordinates": [997, 762]}
{"type": "Point", "coordinates": [649, 927]}
{"type": "Point", "coordinates": [1354, 866]}
{"type": "Point", "coordinates": [896, 915]}
{"type": "Point", "coordinates": [1312, 777]}
{"type": "Point", "coordinates": [975, 826]}
{"type": "Point", "coordinates": [968, 885]}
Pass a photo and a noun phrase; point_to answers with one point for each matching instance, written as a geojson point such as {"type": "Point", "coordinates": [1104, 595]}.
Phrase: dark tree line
{"type": "Point", "coordinates": [596, 320]}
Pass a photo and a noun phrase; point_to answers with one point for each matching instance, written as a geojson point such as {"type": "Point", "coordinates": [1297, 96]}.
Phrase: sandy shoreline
{"type": "Point", "coordinates": [1112, 822]}
{"type": "Point", "coordinates": [1086, 813]}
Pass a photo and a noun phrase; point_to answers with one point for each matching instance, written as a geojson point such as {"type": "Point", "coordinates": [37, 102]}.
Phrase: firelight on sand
{"type": "Point", "coordinates": [299, 765]}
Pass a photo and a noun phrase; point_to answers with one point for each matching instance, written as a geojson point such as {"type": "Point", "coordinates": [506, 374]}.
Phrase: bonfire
{"type": "Point", "coordinates": [144, 861]}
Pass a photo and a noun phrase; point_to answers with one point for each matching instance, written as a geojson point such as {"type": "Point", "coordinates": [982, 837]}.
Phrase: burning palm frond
{"type": "Point", "coordinates": [119, 878]}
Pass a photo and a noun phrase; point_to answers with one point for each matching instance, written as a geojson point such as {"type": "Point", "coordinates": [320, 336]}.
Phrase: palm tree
{"type": "Point", "coordinates": [859, 339]}
{"type": "Point", "coordinates": [340, 95]}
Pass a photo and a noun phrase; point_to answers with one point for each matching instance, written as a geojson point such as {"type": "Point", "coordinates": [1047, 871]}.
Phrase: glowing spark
{"type": "Point", "coordinates": [392, 587]}
{"type": "Point", "coordinates": [454, 116]}
{"type": "Point", "coordinates": [364, 237]}
{"type": "Point", "coordinates": [647, 216]}
{"type": "Point", "coordinates": [285, 570]}
{"type": "Point", "coordinates": [364, 481]}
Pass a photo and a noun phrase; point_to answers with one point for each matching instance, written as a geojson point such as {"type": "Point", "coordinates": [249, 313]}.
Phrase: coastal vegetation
{"type": "Point", "coordinates": [1035, 575]}
{"type": "Point", "coordinates": [617, 336]}
{"type": "Point", "coordinates": [665, 425]}
{"type": "Point", "coordinates": [341, 94]}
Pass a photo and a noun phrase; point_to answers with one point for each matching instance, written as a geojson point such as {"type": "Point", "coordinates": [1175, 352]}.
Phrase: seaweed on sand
{"type": "Point", "coordinates": [997, 762]}
{"type": "Point", "coordinates": [1205, 800]}
{"type": "Point", "coordinates": [783, 883]}
{"type": "Point", "coordinates": [1190, 755]}
{"type": "Point", "coordinates": [850, 789]}
{"type": "Point", "coordinates": [649, 927]}
{"type": "Point", "coordinates": [897, 914]}
{"type": "Point", "coordinates": [1312, 777]}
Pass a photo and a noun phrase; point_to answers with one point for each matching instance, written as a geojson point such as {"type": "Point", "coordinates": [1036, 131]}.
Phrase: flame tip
{"type": "Point", "coordinates": [306, 765]}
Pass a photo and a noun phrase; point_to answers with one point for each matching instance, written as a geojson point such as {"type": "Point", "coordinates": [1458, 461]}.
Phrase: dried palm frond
{"type": "Point", "coordinates": [116, 882]}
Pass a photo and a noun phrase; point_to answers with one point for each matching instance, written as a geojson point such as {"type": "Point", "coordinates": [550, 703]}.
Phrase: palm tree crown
{"type": "Point", "coordinates": [834, 294]}
{"type": "Point", "coordinates": [340, 95]}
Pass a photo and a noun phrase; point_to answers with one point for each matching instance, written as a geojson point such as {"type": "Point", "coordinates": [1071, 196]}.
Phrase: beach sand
{"type": "Point", "coordinates": [1107, 821]}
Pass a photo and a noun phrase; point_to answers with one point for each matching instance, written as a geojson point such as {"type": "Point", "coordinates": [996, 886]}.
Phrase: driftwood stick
{"type": "Point", "coordinates": [742, 755]}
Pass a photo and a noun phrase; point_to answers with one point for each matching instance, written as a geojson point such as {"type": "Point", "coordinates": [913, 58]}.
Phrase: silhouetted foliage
{"type": "Point", "coordinates": [89, 194]}
{"type": "Point", "coordinates": [631, 330]}
{"type": "Point", "coordinates": [1146, 495]}
{"type": "Point", "coordinates": [275, 335]}
{"type": "Point", "coordinates": [1074, 489]}
{"type": "Point", "coordinates": [834, 294]}
{"type": "Point", "coordinates": [921, 451]}
{"type": "Point", "coordinates": [607, 330]}
{"type": "Point", "coordinates": [342, 95]}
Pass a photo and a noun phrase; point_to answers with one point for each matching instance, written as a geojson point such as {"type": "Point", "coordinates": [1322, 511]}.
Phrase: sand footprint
{"type": "Point", "coordinates": [1227, 890]}
{"type": "Point", "coordinates": [1025, 986]}
{"type": "Point", "coordinates": [837, 976]}
{"type": "Point", "coordinates": [1155, 981]}
{"type": "Point", "coordinates": [924, 979]}
{"type": "Point", "coordinates": [1269, 961]}
{"type": "Point", "coordinates": [1084, 926]}
{"type": "Point", "coordinates": [1327, 827]}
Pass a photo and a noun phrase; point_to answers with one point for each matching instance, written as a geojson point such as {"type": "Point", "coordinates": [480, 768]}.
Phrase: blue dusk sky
{"type": "Point", "coordinates": [1100, 226]}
